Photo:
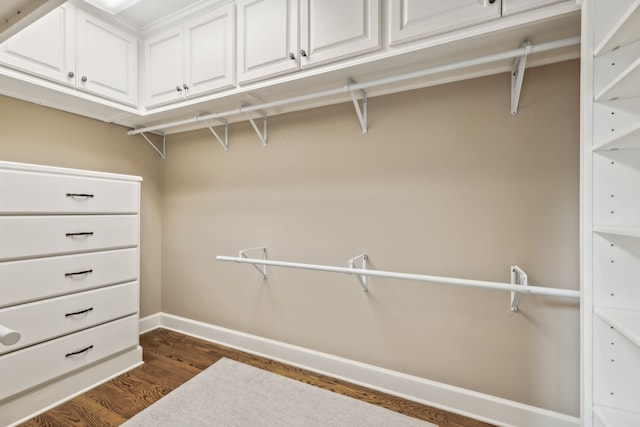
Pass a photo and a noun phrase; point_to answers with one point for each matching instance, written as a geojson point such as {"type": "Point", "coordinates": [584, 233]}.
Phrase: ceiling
{"type": "Point", "coordinates": [147, 12]}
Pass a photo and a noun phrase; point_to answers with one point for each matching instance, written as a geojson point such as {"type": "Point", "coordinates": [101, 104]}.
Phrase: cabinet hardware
{"type": "Point", "coordinates": [292, 56]}
{"type": "Point", "coordinates": [71, 74]}
{"type": "Point", "coordinates": [303, 53]}
{"type": "Point", "coordinates": [185, 87]}
{"type": "Point", "coordinates": [78, 273]}
{"type": "Point", "coordinates": [84, 79]}
{"type": "Point", "coordinates": [85, 195]}
{"type": "Point", "coordinates": [178, 89]}
{"type": "Point", "coordinates": [77, 313]}
{"type": "Point", "coordinates": [9, 336]}
{"type": "Point", "coordinates": [84, 233]}
{"type": "Point", "coordinates": [79, 351]}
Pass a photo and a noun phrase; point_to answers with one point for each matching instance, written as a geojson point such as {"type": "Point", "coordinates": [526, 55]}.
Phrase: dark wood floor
{"type": "Point", "coordinates": [172, 358]}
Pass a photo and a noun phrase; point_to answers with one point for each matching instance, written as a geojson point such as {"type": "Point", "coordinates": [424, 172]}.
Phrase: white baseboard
{"type": "Point", "coordinates": [491, 409]}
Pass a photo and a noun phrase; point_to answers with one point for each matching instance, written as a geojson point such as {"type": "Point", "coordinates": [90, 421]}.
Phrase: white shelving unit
{"type": "Point", "coordinates": [611, 213]}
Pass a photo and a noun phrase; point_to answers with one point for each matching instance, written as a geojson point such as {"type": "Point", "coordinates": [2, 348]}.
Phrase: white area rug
{"type": "Point", "coordinates": [232, 394]}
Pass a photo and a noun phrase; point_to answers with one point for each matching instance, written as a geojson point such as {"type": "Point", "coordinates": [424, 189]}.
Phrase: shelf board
{"type": "Point", "coordinates": [610, 417]}
{"type": "Point", "coordinates": [630, 231]}
{"type": "Point", "coordinates": [626, 322]}
{"type": "Point", "coordinates": [624, 31]}
{"type": "Point", "coordinates": [625, 139]}
{"type": "Point", "coordinates": [625, 84]}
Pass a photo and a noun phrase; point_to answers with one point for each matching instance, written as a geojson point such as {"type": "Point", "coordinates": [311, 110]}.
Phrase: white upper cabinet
{"type": "Point", "coordinates": [416, 19]}
{"type": "Point", "coordinates": [107, 60]}
{"type": "Point", "coordinates": [332, 29]}
{"type": "Point", "coordinates": [192, 59]}
{"type": "Point", "coordinates": [45, 48]}
{"type": "Point", "coordinates": [71, 47]}
{"type": "Point", "coordinates": [274, 37]}
{"type": "Point", "coordinates": [509, 7]}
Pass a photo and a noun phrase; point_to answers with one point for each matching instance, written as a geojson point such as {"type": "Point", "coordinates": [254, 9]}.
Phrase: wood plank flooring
{"type": "Point", "coordinates": [172, 358]}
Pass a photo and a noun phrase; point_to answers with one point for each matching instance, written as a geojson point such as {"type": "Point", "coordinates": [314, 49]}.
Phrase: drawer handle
{"type": "Point", "coordinates": [84, 233]}
{"type": "Point", "coordinates": [77, 313]}
{"type": "Point", "coordinates": [79, 351]}
{"type": "Point", "coordinates": [84, 195]}
{"type": "Point", "coordinates": [9, 336]}
{"type": "Point", "coordinates": [78, 273]}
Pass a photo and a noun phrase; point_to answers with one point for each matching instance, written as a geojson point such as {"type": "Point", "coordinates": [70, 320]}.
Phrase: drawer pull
{"type": "Point", "coordinates": [8, 336]}
{"type": "Point", "coordinates": [77, 313]}
{"type": "Point", "coordinates": [78, 273]}
{"type": "Point", "coordinates": [79, 351]}
{"type": "Point", "coordinates": [83, 195]}
{"type": "Point", "coordinates": [84, 233]}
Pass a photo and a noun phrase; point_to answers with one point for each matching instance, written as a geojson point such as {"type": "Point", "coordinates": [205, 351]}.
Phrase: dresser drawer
{"type": "Point", "coordinates": [34, 279]}
{"type": "Point", "coordinates": [29, 236]}
{"type": "Point", "coordinates": [26, 368]}
{"type": "Point", "coordinates": [41, 193]}
{"type": "Point", "coordinates": [51, 318]}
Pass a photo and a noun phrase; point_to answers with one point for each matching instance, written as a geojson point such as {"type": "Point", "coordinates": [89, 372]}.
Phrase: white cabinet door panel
{"type": "Point", "coordinates": [416, 19]}
{"type": "Point", "coordinates": [509, 7]}
{"type": "Point", "coordinates": [267, 36]}
{"type": "Point", "coordinates": [331, 29]}
{"type": "Point", "coordinates": [163, 67]}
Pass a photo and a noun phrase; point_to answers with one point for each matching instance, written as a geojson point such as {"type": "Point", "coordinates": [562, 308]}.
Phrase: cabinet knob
{"type": "Point", "coordinates": [8, 336]}
{"type": "Point", "coordinates": [185, 87]}
{"type": "Point", "coordinates": [303, 52]}
{"type": "Point", "coordinates": [84, 79]}
{"type": "Point", "coordinates": [178, 89]}
{"type": "Point", "coordinates": [71, 74]}
{"type": "Point", "coordinates": [292, 56]}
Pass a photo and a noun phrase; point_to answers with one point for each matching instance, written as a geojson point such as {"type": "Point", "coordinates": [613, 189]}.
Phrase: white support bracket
{"type": "Point", "coordinates": [362, 112]}
{"type": "Point", "coordinates": [262, 270]}
{"type": "Point", "coordinates": [262, 135]}
{"type": "Point", "coordinates": [162, 153]}
{"type": "Point", "coordinates": [517, 76]}
{"type": "Point", "coordinates": [518, 277]}
{"type": "Point", "coordinates": [362, 278]}
{"type": "Point", "coordinates": [225, 143]}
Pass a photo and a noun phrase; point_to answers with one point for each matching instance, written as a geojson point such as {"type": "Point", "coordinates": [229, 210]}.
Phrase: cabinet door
{"type": "Point", "coordinates": [164, 73]}
{"type": "Point", "coordinates": [107, 60]}
{"type": "Point", "coordinates": [415, 19]}
{"type": "Point", "coordinates": [332, 29]}
{"type": "Point", "coordinates": [509, 7]}
{"type": "Point", "coordinates": [209, 52]}
{"type": "Point", "coordinates": [267, 37]}
{"type": "Point", "coordinates": [44, 48]}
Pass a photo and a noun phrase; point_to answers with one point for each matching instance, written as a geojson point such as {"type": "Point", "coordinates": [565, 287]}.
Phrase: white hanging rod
{"type": "Point", "coordinates": [510, 54]}
{"type": "Point", "coordinates": [533, 290]}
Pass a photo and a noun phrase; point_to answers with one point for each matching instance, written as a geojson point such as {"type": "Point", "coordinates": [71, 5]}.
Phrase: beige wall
{"type": "Point", "coordinates": [33, 134]}
{"type": "Point", "coordinates": [447, 182]}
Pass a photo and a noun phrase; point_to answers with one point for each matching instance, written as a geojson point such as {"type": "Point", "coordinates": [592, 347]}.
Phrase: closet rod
{"type": "Point", "coordinates": [510, 54]}
{"type": "Point", "coordinates": [534, 290]}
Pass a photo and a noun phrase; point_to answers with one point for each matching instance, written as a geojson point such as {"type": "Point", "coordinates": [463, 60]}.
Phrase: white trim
{"type": "Point", "coordinates": [479, 406]}
{"type": "Point", "coordinates": [150, 323]}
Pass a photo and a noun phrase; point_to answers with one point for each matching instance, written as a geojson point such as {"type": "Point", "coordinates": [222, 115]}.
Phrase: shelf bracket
{"type": "Point", "coordinates": [517, 76]}
{"type": "Point", "coordinates": [162, 153]}
{"type": "Point", "coordinates": [362, 278]}
{"type": "Point", "coordinates": [225, 143]}
{"type": "Point", "coordinates": [262, 135]}
{"type": "Point", "coordinates": [518, 277]}
{"type": "Point", "coordinates": [360, 111]}
{"type": "Point", "coordinates": [262, 270]}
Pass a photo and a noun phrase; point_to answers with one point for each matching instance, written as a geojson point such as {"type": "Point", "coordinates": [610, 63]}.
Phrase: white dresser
{"type": "Point", "coordinates": [69, 291]}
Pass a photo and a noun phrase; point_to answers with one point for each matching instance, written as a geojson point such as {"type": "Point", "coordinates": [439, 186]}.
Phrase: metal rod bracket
{"type": "Point", "coordinates": [162, 153]}
{"type": "Point", "coordinates": [517, 76]}
{"type": "Point", "coordinates": [262, 270]}
{"type": "Point", "coordinates": [262, 135]}
{"type": "Point", "coordinates": [225, 143]}
{"type": "Point", "coordinates": [362, 278]}
{"type": "Point", "coordinates": [362, 112]}
{"type": "Point", "coordinates": [518, 277]}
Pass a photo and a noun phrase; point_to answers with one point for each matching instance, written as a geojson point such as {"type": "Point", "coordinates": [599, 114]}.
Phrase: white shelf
{"type": "Point", "coordinates": [626, 322]}
{"type": "Point", "coordinates": [610, 417]}
{"type": "Point", "coordinates": [631, 231]}
{"type": "Point", "coordinates": [625, 139]}
{"type": "Point", "coordinates": [617, 74]}
{"type": "Point", "coordinates": [625, 29]}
